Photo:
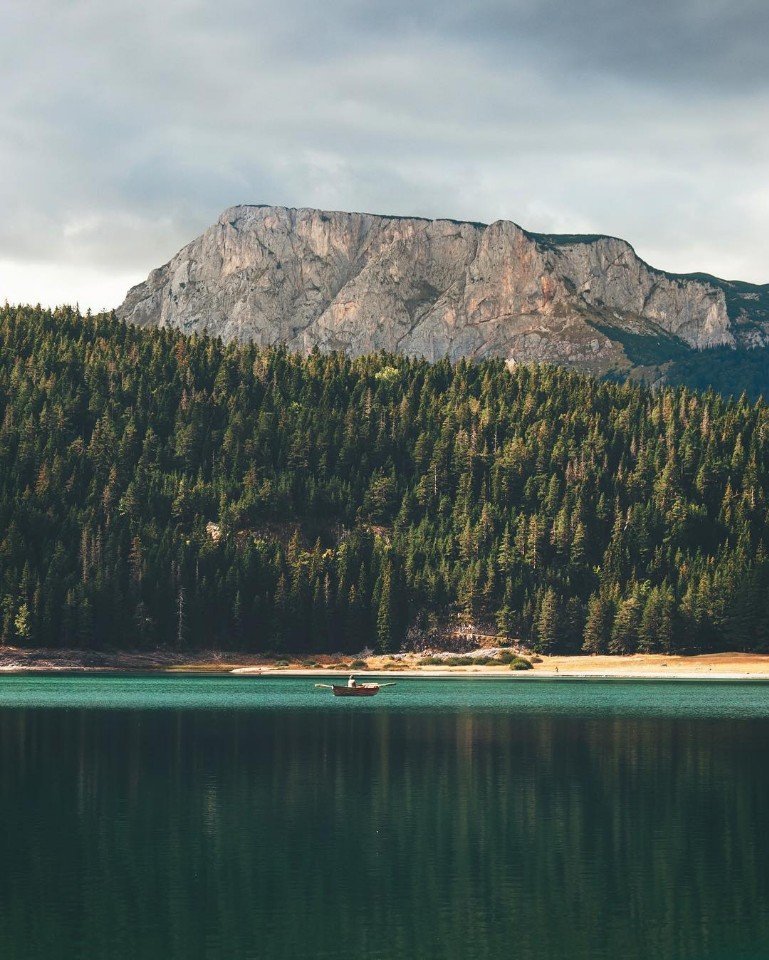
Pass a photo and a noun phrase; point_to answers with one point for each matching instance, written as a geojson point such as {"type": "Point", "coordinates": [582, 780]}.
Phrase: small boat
{"type": "Point", "coordinates": [360, 690]}
{"type": "Point", "coordinates": [356, 690]}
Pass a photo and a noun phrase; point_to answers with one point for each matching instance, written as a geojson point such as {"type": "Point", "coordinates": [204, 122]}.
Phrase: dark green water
{"type": "Point", "coordinates": [186, 817]}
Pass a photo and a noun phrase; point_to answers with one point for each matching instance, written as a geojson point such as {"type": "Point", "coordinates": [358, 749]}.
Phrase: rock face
{"type": "Point", "coordinates": [435, 288]}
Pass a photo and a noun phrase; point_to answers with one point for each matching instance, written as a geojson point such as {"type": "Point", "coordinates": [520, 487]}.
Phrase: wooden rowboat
{"type": "Point", "coordinates": [359, 690]}
{"type": "Point", "coordinates": [362, 690]}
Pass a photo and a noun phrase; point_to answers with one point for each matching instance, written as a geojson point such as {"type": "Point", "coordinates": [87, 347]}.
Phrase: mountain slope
{"type": "Point", "coordinates": [434, 288]}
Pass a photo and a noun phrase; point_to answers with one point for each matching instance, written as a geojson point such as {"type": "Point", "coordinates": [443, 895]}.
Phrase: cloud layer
{"type": "Point", "coordinates": [126, 127]}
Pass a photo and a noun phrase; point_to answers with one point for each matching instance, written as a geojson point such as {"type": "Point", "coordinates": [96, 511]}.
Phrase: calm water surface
{"type": "Point", "coordinates": [221, 817]}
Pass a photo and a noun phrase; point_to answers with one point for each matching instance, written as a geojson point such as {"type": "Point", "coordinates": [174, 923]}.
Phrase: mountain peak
{"type": "Point", "coordinates": [362, 282]}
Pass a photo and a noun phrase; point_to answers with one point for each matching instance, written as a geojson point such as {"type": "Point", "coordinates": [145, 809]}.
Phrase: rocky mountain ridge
{"type": "Point", "coordinates": [433, 288]}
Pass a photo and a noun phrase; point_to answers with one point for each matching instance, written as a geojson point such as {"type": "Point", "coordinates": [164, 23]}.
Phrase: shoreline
{"type": "Point", "coordinates": [463, 674]}
{"type": "Point", "coordinates": [717, 667]}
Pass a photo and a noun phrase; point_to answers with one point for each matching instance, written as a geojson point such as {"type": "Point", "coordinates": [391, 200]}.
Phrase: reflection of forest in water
{"type": "Point", "coordinates": [380, 834]}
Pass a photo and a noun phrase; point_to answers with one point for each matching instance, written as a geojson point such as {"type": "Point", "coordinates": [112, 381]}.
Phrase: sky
{"type": "Point", "coordinates": [127, 126]}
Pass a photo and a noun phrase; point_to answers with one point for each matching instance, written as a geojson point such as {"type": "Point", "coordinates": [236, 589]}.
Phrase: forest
{"type": "Point", "coordinates": [164, 490]}
{"type": "Point", "coordinates": [730, 372]}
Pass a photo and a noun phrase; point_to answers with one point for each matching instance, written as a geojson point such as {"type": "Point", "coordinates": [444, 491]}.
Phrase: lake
{"type": "Point", "coordinates": [244, 817]}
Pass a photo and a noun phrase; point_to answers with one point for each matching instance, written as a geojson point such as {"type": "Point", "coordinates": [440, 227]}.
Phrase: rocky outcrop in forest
{"type": "Point", "coordinates": [434, 288]}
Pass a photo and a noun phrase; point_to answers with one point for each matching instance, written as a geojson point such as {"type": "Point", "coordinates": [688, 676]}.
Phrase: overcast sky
{"type": "Point", "coordinates": [126, 126]}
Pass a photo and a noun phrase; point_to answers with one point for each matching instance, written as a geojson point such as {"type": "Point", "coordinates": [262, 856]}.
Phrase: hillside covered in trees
{"type": "Point", "coordinates": [730, 372]}
{"type": "Point", "coordinates": [163, 490]}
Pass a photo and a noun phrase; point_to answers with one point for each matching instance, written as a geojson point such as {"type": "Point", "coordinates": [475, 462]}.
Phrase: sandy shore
{"type": "Point", "coordinates": [721, 666]}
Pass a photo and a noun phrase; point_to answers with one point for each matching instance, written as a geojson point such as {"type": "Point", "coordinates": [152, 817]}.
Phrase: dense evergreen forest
{"type": "Point", "coordinates": [163, 490]}
{"type": "Point", "coordinates": [730, 372]}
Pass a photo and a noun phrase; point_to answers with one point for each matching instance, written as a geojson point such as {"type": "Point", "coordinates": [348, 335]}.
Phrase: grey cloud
{"type": "Point", "coordinates": [708, 43]}
{"type": "Point", "coordinates": [126, 127]}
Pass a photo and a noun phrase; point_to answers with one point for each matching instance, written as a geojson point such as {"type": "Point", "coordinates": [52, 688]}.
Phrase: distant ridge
{"type": "Point", "coordinates": [363, 282]}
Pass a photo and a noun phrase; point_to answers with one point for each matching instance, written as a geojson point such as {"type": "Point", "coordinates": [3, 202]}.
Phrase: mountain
{"type": "Point", "coordinates": [434, 288]}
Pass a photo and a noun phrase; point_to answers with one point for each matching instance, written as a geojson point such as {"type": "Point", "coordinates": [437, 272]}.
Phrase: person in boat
{"type": "Point", "coordinates": [352, 682]}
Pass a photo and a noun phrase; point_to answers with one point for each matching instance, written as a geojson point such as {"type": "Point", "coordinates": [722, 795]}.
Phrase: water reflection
{"type": "Point", "coordinates": [381, 834]}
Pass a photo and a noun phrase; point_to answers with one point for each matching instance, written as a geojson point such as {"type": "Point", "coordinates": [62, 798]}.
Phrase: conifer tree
{"type": "Point", "coordinates": [385, 617]}
{"type": "Point", "coordinates": [548, 622]}
{"type": "Point", "coordinates": [600, 617]}
{"type": "Point", "coordinates": [626, 629]}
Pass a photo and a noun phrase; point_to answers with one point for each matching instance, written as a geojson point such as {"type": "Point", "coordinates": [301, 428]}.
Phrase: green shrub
{"type": "Point", "coordinates": [521, 663]}
{"type": "Point", "coordinates": [359, 665]}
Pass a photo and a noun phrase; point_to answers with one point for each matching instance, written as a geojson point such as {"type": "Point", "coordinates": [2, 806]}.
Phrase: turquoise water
{"type": "Point", "coordinates": [661, 698]}
{"type": "Point", "coordinates": [223, 817]}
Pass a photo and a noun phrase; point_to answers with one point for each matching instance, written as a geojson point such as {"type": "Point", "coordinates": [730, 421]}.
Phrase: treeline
{"type": "Point", "coordinates": [163, 490]}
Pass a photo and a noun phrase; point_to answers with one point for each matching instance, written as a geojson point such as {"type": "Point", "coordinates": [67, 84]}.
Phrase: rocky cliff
{"type": "Point", "coordinates": [436, 288]}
